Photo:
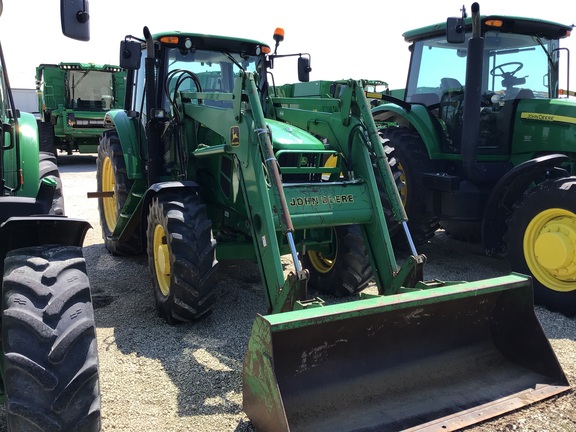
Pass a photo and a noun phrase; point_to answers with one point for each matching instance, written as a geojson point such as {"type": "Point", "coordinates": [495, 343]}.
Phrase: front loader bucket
{"type": "Point", "coordinates": [436, 359]}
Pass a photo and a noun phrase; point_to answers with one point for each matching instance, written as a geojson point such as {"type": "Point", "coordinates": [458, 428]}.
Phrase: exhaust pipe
{"type": "Point", "coordinates": [153, 127]}
{"type": "Point", "coordinates": [472, 100]}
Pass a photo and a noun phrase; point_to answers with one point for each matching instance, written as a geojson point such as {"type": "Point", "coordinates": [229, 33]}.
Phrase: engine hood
{"type": "Point", "coordinates": [288, 137]}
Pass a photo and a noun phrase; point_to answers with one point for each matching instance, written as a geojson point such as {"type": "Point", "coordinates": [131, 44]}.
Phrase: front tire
{"type": "Point", "coordinates": [345, 270]}
{"type": "Point", "coordinates": [181, 257]}
{"type": "Point", "coordinates": [541, 241]}
{"type": "Point", "coordinates": [111, 176]}
{"type": "Point", "coordinates": [50, 367]}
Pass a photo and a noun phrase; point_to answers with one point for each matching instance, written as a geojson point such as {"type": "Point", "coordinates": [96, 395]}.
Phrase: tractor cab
{"type": "Point", "coordinates": [480, 130]}
{"type": "Point", "coordinates": [519, 61]}
{"type": "Point", "coordinates": [189, 62]}
{"type": "Point", "coordinates": [201, 63]}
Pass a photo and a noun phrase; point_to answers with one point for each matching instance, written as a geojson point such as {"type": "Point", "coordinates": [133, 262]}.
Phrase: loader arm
{"type": "Point", "coordinates": [351, 136]}
{"type": "Point", "coordinates": [348, 126]}
{"type": "Point", "coordinates": [253, 153]}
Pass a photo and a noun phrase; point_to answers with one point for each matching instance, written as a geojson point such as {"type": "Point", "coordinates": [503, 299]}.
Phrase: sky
{"type": "Point", "coordinates": [361, 39]}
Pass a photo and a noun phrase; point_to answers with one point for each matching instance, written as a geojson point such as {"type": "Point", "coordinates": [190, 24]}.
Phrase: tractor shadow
{"type": "Point", "coordinates": [202, 360]}
{"type": "Point", "coordinates": [76, 162]}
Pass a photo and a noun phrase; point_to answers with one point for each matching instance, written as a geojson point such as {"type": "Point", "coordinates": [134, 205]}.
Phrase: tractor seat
{"type": "Point", "coordinates": [524, 94]}
{"type": "Point", "coordinates": [450, 84]}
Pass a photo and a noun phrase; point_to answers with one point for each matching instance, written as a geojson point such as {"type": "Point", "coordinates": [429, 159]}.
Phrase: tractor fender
{"type": "Point", "coordinates": [132, 138]}
{"type": "Point", "coordinates": [25, 231]}
{"type": "Point", "coordinates": [162, 187]}
{"type": "Point", "coordinates": [183, 187]}
{"type": "Point", "coordinates": [418, 117]}
{"type": "Point", "coordinates": [28, 136]}
{"type": "Point", "coordinates": [509, 190]}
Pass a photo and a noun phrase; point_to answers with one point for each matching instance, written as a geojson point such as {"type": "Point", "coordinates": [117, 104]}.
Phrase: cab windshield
{"type": "Point", "coordinates": [514, 66]}
{"type": "Point", "coordinates": [90, 90]}
{"type": "Point", "coordinates": [215, 70]}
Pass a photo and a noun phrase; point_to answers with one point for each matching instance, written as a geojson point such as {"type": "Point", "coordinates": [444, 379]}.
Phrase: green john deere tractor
{"type": "Point", "coordinates": [209, 161]}
{"type": "Point", "coordinates": [72, 100]}
{"type": "Point", "coordinates": [484, 147]}
{"type": "Point", "coordinates": [49, 358]}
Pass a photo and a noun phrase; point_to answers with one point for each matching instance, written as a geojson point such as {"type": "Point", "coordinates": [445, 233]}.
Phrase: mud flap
{"type": "Point", "coordinates": [436, 359]}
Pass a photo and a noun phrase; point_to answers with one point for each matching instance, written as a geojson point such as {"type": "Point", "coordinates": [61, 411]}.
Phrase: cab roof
{"type": "Point", "coordinates": [510, 24]}
{"type": "Point", "coordinates": [213, 42]}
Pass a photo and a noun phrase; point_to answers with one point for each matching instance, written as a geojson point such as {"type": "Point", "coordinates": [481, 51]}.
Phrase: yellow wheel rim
{"type": "Point", "coordinates": [323, 264]}
{"type": "Point", "coordinates": [320, 264]}
{"type": "Point", "coordinates": [109, 203]}
{"type": "Point", "coordinates": [162, 260]}
{"type": "Point", "coordinates": [550, 249]}
{"type": "Point", "coordinates": [331, 162]}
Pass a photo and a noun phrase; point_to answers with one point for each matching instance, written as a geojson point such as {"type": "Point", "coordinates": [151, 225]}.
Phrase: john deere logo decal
{"type": "Point", "coordinates": [234, 136]}
{"type": "Point", "coordinates": [547, 117]}
{"type": "Point", "coordinates": [324, 199]}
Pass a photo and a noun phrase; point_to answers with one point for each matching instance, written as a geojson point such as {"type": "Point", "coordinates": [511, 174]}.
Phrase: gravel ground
{"type": "Point", "coordinates": [157, 377]}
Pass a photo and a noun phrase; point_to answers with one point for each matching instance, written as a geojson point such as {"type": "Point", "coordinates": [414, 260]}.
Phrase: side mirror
{"type": "Point", "coordinates": [74, 18]}
{"type": "Point", "coordinates": [130, 54]}
{"type": "Point", "coordinates": [304, 69]}
{"type": "Point", "coordinates": [455, 31]}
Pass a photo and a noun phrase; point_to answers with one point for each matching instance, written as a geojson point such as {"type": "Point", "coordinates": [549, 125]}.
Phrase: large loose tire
{"type": "Point", "coordinates": [49, 169]}
{"type": "Point", "coordinates": [111, 176]}
{"type": "Point", "coordinates": [541, 241]}
{"type": "Point", "coordinates": [47, 140]}
{"type": "Point", "coordinates": [344, 271]}
{"type": "Point", "coordinates": [408, 160]}
{"type": "Point", "coordinates": [181, 257]}
{"type": "Point", "coordinates": [50, 367]}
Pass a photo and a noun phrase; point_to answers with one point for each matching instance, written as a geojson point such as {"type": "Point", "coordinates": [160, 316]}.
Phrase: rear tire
{"type": "Point", "coordinates": [541, 242]}
{"type": "Point", "coordinates": [111, 176]}
{"type": "Point", "coordinates": [408, 161]}
{"type": "Point", "coordinates": [49, 169]}
{"type": "Point", "coordinates": [344, 271]}
{"type": "Point", "coordinates": [50, 367]}
{"type": "Point", "coordinates": [181, 257]}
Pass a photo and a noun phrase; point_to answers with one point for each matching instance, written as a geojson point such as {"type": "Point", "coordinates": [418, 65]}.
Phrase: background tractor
{"type": "Point", "coordinates": [484, 148]}
{"type": "Point", "coordinates": [210, 161]}
{"type": "Point", "coordinates": [49, 358]}
{"type": "Point", "coordinates": [72, 101]}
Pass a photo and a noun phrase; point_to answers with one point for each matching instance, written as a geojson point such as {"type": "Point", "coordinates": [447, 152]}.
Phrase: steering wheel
{"type": "Point", "coordinates": [501, 67]}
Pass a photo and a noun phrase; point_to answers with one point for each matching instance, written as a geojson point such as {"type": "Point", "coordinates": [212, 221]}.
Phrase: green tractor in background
{"type": "Point", "coordinates": [72, 100]}
{"type": "Point", "coordinates": [483, 147]}
{"type": "Point", "coordinates": [209, 161]}
{"type": "Point", "coordinates": [49, 376]}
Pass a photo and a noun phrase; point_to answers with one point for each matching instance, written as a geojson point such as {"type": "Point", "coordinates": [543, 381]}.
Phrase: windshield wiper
{"type": "Point", "coordinates": [550, 60]}
{"type": "Point", "coordinates": [233, 60]}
